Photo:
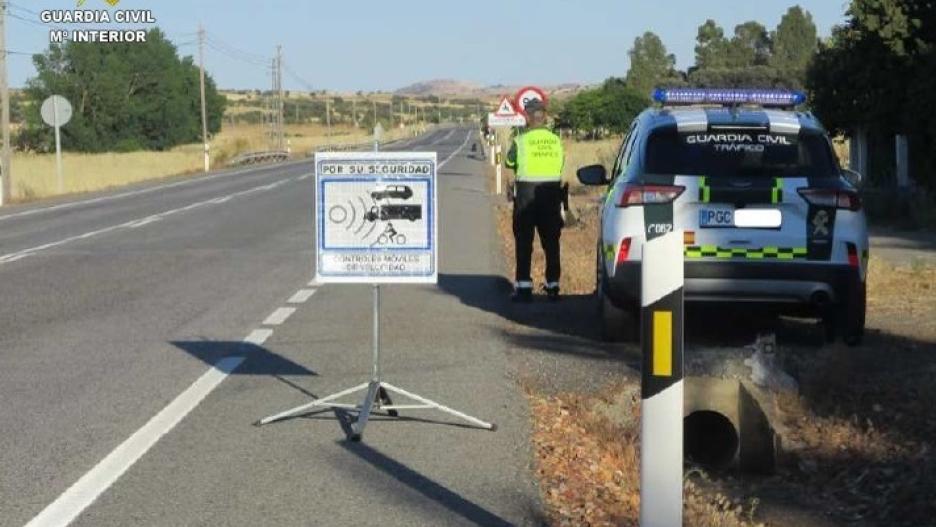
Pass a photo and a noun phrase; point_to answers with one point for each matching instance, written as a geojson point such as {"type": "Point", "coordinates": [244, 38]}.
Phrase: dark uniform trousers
{"type": "Point", "coordinates": [537, 208]}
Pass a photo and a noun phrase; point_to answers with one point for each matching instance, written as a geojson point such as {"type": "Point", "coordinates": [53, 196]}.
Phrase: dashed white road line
{"type": "Point", "coordinates": [258, 337]}
{"type": "Point", "coordinates": [301, 296]}
{"type": "Point", "coordinates": [456, 152]}
{"type": "Point", "coordinates": [279, 316]}
{"type": "Point", "coordinates": [443, 138]}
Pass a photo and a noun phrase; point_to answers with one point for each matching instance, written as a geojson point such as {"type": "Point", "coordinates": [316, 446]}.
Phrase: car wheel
{"type": "Point", "coordinates": [617, 325]}
{"type": "Point", "coordinates": [853, 317]}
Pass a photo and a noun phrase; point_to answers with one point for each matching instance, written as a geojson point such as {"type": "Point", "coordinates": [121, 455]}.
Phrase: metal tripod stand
{"type": "Point", "coordinates": [377, 395]}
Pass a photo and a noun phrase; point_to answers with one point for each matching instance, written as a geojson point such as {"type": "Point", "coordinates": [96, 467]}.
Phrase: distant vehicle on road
{"type": "Point", "coordinates": [768, 215]}
{"type": "Point", "coordinates": [391, 191]}
{"type": "Point", "coordinates": [394, 212]}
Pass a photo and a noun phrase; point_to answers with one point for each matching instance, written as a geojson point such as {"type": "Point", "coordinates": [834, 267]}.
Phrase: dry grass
{"type": "Point", "coordinates": [589, 465]}
{"type": "Point", "coordinates": [903, 299]}
{"type": "Point", "coordinates": [35, 176]}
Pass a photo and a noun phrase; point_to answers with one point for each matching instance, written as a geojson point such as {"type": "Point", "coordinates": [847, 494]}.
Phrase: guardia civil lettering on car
{"type": "Point", "coordinates": [769, 216]}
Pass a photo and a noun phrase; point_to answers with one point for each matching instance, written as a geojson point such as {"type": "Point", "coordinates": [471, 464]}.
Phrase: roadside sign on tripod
{"type": "Point", "coordinates": [376, 217]}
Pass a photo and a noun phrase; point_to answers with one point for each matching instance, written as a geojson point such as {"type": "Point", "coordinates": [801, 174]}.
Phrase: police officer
{"type": "Point", "coordinates": [536, 157]}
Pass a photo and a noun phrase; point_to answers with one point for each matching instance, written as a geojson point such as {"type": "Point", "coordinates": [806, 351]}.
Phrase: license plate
{"type": "Point", "coordinates": [716, 217]}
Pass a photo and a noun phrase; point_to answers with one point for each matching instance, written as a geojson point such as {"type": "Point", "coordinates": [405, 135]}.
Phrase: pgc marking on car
{"type": "Point", "coordinates": [376, 217]}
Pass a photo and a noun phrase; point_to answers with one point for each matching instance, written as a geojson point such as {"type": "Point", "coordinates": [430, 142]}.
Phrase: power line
{"type": "Point", "coordinates": [295, 76]}
{"type": "Point", "coordinates": [13, 52]}
{"type": "Point", "coordinates": [234, 52]}
{"type": "Point", "coordinates": [36, 23]}
{"type": "Point", "coordinates": [14, 5]}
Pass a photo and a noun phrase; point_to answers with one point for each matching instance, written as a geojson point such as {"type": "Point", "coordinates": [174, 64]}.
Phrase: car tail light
{"type": "Point", "coordinates": [624, 251]}
{"type": "Point", "coordinates": [853, 255]}
{"type": "Point", "coordinates": [649, 194]}
{"type": "Point", "coordinates": [838, 198]}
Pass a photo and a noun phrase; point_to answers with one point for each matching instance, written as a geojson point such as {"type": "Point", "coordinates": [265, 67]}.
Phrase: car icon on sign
{"type": "Point", "coordinates": [391, 191]}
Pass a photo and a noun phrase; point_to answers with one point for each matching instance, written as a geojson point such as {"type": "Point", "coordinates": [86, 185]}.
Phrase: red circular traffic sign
{"type": "Point", "coordinates": [526, 94]}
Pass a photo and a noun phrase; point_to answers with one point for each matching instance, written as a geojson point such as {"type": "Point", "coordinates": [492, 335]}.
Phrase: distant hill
{"type": "Point", "coordinates": [440, 87]}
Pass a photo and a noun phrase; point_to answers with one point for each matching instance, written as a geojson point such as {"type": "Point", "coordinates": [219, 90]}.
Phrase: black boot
{"type": "Point", "coordinates": [552, 293]}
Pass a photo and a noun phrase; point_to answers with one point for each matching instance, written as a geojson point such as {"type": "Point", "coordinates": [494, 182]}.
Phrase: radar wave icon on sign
{"type": "Point", "coordinates": [353, 217]}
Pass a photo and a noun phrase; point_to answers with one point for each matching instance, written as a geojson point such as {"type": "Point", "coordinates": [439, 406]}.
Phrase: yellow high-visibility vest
{"type": "Point", "coordinates": [539, 156]}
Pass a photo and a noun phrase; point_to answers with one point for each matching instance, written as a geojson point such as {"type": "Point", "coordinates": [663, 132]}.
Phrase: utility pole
{"type": "Point", "coordinates": [204, 111]}
{"type": "Point", "coordinates": [271, 106]}
{"type": "Point", "coordinates": [5, 155]}
{"type": "Point", "coordinates": [281, 105]}
{"type": "Point", "coordinates": [374, 102]}
{"type": "Point", "coordinates": [354, 110]}
{"type": "Point", "coordinates": [328, 114]}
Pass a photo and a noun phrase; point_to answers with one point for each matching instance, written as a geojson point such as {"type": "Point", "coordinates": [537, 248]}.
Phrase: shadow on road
{"type": "Point", "coordinates": [440, 494]}
{"type": "Point", "coordinates": [259, 360]}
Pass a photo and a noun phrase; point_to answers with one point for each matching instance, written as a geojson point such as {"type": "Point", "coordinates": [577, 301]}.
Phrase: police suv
{"type": "Point", "coordinates": [768, 215]}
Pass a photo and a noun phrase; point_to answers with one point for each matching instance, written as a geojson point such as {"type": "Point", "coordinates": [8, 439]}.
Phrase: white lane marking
{"type": "Point", "coordinates": [144, 221]}
{"type": "Point", "coordinates": [302, 296]}
{"type": "Point", "coordinates": [279, 316]}
{"type": "Point", "coordinates": [73, 204]}
{"type": "Point", "coordinates": [446, 137]}
{"type": "Point", "coordinates": [89, 487]}
{"type": "Point", "coordinates": [136, 223]}
{"type": "Point", "coordinates": [258, 337]}
{"type": "Point", "coordinates": [455, 153]}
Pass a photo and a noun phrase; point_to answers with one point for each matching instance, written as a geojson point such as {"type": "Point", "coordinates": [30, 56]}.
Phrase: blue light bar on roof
{"type": "Point", "coordinates": [729, 96]}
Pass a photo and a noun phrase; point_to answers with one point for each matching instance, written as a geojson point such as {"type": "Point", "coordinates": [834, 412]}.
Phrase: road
{"type": "Point", "coordinates": [144, 331]}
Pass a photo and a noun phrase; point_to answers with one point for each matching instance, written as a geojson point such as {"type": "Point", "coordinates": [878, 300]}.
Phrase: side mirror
{"type": "Point", "coordinates": [593, 175]}
{"type": "Point", "coordinates": [854, 178]}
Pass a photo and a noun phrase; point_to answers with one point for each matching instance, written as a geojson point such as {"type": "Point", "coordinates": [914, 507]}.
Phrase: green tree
{"type": "Point", "coordinates": [650, 65]}
{"type": "Point", "coordinates": [793, 44]}
{"type": "Point", "coordinates": [878, 71]}
{"type": "Point", "coordinates": [711, 49]}
{"type": "Point", "coordinates": [125, 96]}
{"type": "Point", "coordinates": [608, 109]}
{"type": "Point", "coordinates": [749, 47]}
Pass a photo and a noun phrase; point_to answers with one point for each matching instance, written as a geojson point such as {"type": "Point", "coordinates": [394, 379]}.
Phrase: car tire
{"type": "Point", "coordinates": [853, 316]}
{"type": "Point", "coordinates": [617, 325]}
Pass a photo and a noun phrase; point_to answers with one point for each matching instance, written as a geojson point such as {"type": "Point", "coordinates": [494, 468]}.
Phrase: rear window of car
{"type": "Point", "coordinates": [739, 153]}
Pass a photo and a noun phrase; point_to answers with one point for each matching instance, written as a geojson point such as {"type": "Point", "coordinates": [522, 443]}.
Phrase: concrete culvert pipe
{"type": "Point", "coordinates": [709, 439]}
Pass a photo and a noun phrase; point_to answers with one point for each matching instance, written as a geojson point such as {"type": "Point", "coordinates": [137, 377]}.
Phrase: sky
{"type": "Point", "coordinates": [384, 45]}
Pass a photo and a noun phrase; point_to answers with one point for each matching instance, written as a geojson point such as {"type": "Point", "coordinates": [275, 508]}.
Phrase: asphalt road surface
{"type": "Point", "coordinates": [145, 330]}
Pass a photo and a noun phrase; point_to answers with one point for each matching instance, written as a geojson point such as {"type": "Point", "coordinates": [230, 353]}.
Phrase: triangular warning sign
{"type": "Point", "coordinates": [506, 108]}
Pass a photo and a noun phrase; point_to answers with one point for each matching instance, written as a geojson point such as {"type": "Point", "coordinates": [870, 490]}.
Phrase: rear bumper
{"type": "Point", "coordinates": [760, 282]}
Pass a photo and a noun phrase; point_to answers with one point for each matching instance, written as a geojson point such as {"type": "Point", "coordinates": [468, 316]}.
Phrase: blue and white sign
{"type": "Point", "coordinates": [376, 219]}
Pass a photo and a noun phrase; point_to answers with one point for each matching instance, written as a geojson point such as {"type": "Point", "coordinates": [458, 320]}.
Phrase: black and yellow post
{"type": "Point", "coordinates": [661, 432]}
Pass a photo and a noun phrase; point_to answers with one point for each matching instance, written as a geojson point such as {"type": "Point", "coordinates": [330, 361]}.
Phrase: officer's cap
{"type": "Point", "coordinates": [535, 105]}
